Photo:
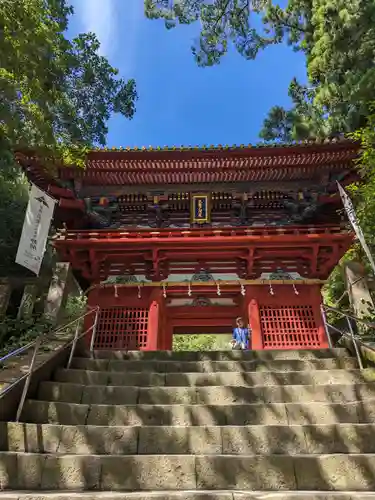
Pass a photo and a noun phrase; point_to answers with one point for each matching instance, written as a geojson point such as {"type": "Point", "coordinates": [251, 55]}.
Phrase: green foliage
{"type": "Point", "coordinates": [222, 21]}
{"type": "Point", "coordinates": [75, 306]}
{"type": "Point", "coordinates": [251, 25]}
{"type": "Point", "coordinates": [13, 201]}
{"type": "Point", "coordinates": [200, 342]}
{"type": "Point", "coordinates": [339, 53]}
{"type": "Point", "coordinates": [363, 196]}
{"type": "Point", "coordinates": [15, 333]}
{"type": "Point", "coordinates": [363, 193]}
{"type": "Point", "coordinates": [56, 96]}
{"type": "Point", "coordinates": [337, 38]}
{"type": "Point", "coordinates": [305, 120]}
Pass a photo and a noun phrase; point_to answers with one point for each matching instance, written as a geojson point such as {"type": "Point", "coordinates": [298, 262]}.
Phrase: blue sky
{"type": "Point", "coordinates": [180, 103]}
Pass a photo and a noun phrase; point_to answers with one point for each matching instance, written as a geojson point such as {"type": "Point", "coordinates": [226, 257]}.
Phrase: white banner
{"type": "Point", "coordinates": [35, 230]}
{"type": "Point", "coordinates": [348, 205]}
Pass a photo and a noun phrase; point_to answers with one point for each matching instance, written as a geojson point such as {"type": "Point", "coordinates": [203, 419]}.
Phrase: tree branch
{"type": "Point", "coordinates": [221, 15]}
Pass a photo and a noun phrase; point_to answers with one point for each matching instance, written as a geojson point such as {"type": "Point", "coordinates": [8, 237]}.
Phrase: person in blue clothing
{"type": "Point", "coordinates": [241, 335]}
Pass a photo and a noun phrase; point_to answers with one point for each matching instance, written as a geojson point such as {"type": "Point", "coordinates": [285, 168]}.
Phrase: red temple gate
{"type": "Point", "coordinates": [247, 212]}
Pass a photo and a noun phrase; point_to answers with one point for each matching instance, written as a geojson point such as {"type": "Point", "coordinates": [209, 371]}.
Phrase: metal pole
{"type": "Point", "coordinates": [28, 379]}
{"type": "Point", "coordinates": [326, 326]}
{"type": "Point", "coordinates": [93, 336]}
{"type": "Point", "coordinates": [358, 354]}
{"type": "Point", "coordinates": [74, 343]}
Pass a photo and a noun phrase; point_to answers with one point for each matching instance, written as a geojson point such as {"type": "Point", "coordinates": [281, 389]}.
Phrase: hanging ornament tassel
{"type": "Point", "coordinates": [243, 290]}
{"type": "Point", "coordinates": [271, 290]}
{"type": "Point", "coordinates": [164, 290]}
{"type": "Point", "coordinates": [189, 289]}
{"type": "Point", "coordinates": [116, 292]}
{"type": "Point", "coordinates": [295, 289]}
{"type": "Point", "coordinates": [218, 291]}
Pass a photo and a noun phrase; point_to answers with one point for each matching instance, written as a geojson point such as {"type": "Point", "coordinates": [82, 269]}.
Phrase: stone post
{"type": "Point", "coordinates": [29, 296]}
{"type": "Point", "coordinates": [358, 289]}
{"type": "Point", "coordinates": [58, 292]}
{"type": "Point", "coordinates": [5, 291]}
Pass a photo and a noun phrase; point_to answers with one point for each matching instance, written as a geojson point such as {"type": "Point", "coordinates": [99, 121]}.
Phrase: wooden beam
{"type": "Point", "coordinates": [222, 283]}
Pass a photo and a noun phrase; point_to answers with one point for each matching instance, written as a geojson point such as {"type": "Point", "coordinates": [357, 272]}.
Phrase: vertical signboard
{"type": "Point", "coordinates": [35, 230]}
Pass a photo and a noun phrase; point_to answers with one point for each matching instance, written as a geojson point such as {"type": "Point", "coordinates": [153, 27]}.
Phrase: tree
{"type": "Point", "coordinates": [337, 38]}
{"type": "Point", "coordinates": [56, 96]}
{"type": "Point", "coordinates": [304, 121]}
{"type": "Point", "coordinates": [229, 21]}
{"type": "Point", "coordinates": [363, 196]}
{"type": "Point", "coordinates": [222, 21]}
{"type": "Point", "coordinates": [339, 55]}
{"type": "Point", "coordinates": [364, 192]}
{"type": "Point", "coordinates": [200, 342]}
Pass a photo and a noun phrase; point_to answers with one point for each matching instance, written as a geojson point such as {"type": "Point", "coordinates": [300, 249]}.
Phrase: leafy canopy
{"type": "Point", "coordinates": [363, 193]}
{"type": "Point", "coordinates": [56, 96]}
{"type": "Point", "coordinates": [223, 21]}
{"type": "Point", "coordinates": [336, 36]}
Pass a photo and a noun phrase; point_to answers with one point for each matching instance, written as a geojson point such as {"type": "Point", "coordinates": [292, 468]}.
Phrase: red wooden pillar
{"type": "Point", "coordinates": [165, 334]}
{"type": "Point", "coordinates": [153, 327]}
{"type": "Point", "coordinates": [155, 321]}
{"type": "Point", "coordinates": [254, 320]}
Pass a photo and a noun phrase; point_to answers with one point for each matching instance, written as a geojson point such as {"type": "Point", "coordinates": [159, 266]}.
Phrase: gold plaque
{"type": "Point", "coordinates": [200, 209]}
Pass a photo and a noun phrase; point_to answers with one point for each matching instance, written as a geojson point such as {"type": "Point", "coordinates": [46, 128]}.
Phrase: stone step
{"type": "Point", "coordinates": [232, 440]}
{"type": "Point", "coordinates": [220, 355]}
{"type": "Point", "coordinates": [198, 415]}
{"type": "Point", "coordinates": [31, 471]}
{"type": "Point", "coordinates": [212, 366]}
{"type": "Point", "coordinates": [118, 395]}
{"type": "Point", "coordinates": [191, 495]}
{"type": "Point", "coordinates": [260, 378]}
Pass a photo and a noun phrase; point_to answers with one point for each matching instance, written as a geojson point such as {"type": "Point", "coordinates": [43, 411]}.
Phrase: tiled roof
{"type": "Point", "coordinates": [203, 164]}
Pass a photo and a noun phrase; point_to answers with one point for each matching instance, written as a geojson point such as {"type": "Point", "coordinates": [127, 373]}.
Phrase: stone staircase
{"type": "Point", "coordinates": [189, 425]}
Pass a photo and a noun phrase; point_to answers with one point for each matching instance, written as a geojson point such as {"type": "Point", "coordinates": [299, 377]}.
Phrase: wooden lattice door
{"type": "Point", "coordinates": [122, 328]}
{"type": "Point", "coordinates": [289, 327]}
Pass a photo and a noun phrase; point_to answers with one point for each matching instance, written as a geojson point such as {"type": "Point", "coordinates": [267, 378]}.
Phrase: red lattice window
{"type": "Point", "coordinates": [289, 327]}
{"type": "Point", "coordinates": [122, 328]}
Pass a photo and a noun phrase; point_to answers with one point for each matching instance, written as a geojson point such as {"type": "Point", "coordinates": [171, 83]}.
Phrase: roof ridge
{"type": "Point", "coordinates": [220, 147]}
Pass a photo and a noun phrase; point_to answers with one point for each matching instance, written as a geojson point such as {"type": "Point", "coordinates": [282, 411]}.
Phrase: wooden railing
{"type": "Point", "coordinates": [106, 234]}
